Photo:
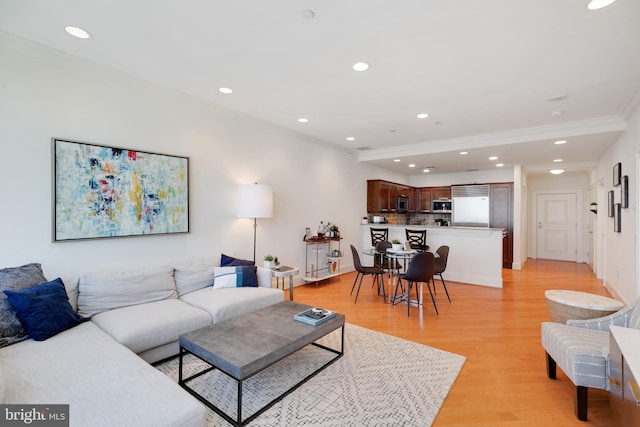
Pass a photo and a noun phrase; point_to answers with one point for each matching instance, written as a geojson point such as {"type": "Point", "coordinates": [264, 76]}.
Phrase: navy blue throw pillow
{"type": "Point", "coordinates": [229, 261]}
{"type": "Point", "coordinates": [44, 309]}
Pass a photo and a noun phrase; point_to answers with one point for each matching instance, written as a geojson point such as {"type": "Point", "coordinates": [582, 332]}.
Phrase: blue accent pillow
{"type": "Point", "coordinates": [235, 277]}
{"type": "Point", "coordinates": [226, 261]}
{"type": "Point", "coordinates": [44, 309]}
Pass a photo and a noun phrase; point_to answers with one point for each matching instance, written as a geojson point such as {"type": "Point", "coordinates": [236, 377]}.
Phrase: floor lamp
{"type": "Point", "coordinates": [255, 201]}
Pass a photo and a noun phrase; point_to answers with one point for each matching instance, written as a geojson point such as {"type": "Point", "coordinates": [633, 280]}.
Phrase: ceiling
{"type": "Point", "coordinates": [501, 77]}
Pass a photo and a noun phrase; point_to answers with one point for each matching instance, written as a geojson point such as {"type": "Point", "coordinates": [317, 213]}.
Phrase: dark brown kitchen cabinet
{"type": "Point", "coordinates": [381, 196]}
{"type": "Point", "coordinates": [440, 193]}
{"type": "Point", "coordinates": [502, 217]}
{"type": "Point", "coordinates": [426, 195]}
{"type": "Point", "coordinates": [424, 199]}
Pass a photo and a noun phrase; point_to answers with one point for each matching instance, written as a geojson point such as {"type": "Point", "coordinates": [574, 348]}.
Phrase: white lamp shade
{"type": "Point", "coordinates": [255, 201]}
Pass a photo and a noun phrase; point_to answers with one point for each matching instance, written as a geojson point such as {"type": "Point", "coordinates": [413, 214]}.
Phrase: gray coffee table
{"type": "Point", "coordinates": [245, 345]}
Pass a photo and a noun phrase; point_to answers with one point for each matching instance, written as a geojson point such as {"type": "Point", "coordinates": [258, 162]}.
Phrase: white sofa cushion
{"type": "Point", "coordinates": [98, 292]}
{"type": "Point", "coordinates": [145, 326]}
{"type": "Point", "coordinates": [193, 275]}
{"type": "Point", "coordinates": [265, 279]}
{"type": "Point", "coordinates": [226, 303]}
{"type": "Point", "coordinates": [104, 383]}
{"type": "Point", "coordinates": [3, 385]}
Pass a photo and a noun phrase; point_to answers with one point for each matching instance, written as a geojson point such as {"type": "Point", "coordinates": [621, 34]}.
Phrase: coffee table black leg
{"type": "Point", "coordinates": [240, 402]}
{"type": "Point", "coordinates": [180, 366]}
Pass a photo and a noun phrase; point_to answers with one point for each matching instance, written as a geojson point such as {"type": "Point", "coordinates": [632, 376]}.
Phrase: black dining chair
{"type": "Point", "coordinates": [364, 271]}
{"type": "Point", "coordinates": [441, 266]}
{"type": "Point", "coordinates": [417, 239]}
{"type": "Point", "coordinates": [420, 270]}
{"type": "Point", "coordinates": [379, 235]}
{"type": "Point", "coordinates": [383, 261]}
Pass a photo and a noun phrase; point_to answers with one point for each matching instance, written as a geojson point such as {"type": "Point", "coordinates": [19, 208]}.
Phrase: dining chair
{"type": "Point", "coordinates": [364, 271]}
{"type": "Point", "coordinates": [417, 239]}
{"type": "Point", "coordinates": [441, 266]}
{"type": "Point", "coordinates": [420, 270]}
{"type": "Point", "coordinates": [383, 261]}
{"type": "Point", "coordinates": [379, 235]}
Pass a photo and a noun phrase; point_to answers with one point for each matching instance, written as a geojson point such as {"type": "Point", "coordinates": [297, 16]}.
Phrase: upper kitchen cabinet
{"type": "Point", "coordinates": [440, 193]}
{"type": "Point", "coordinates": [382, 196]}
{"type": "Point", "coordinates": [424, 199]}
{"type": "Point", "coordinates": [426, 196]}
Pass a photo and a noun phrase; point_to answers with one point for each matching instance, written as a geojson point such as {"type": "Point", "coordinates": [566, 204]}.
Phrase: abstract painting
{"type": "Point", "coordinates": [101, 191]}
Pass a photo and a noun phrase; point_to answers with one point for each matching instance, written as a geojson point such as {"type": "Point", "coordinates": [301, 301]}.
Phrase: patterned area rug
{"type": "Point", "coordinates": [381, 380]}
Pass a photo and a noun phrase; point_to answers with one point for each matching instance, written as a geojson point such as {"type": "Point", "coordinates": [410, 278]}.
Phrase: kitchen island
{"type": "Point", "coordinates": [475, 254]}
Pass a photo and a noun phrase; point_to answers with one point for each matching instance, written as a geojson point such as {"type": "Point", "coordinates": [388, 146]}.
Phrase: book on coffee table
{"type": "Point", "coordinates": [314, 316]}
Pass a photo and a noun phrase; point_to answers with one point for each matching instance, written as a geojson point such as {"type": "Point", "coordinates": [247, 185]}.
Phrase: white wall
{"type": "Point", "coordinates": [461, 178]}
{"type": "Point", "coordinates": [620, 249]}
{"type": "Point", "coordinates": [45, 94]}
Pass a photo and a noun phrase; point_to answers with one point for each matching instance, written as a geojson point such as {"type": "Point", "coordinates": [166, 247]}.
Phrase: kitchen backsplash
{"type": "Point", "coordinates": [427, 219]}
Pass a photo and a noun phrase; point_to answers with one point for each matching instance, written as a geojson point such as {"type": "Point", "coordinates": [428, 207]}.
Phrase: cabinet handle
{"type": "Point", "coordinates": [633, 385]}
{"type": "Point", "coordinates": [613, 382]}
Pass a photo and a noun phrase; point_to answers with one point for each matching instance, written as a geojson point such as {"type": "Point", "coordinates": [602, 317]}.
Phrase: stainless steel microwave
{"type": "Point", "coordinates": [402, 204]}
{"type": "Point", "coordinates": [441, 205]}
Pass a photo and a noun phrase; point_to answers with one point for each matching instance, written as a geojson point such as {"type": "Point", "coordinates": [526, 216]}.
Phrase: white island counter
{"type": "Point", "coordinates": [475, 254]}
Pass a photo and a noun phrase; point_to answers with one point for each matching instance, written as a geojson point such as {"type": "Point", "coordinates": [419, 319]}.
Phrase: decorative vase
{"type": "Point", "coordinates": [397, 246]}
{"type": "Point", "coordinates": [269, 264]}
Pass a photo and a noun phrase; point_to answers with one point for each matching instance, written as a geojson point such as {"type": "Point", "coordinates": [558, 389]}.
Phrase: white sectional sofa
{"type": "Point", "coordinates": [101, 367]}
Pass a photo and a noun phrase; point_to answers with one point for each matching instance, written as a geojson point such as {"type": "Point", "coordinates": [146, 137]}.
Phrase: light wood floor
{"type": "Point", "coordinates": [503, 381]}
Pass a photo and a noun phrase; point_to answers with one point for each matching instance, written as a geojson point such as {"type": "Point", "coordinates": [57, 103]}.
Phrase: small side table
{"type": "Point", "coordinates": [282, 272]}
{"type": "Point", "coordinates": [564, 305]}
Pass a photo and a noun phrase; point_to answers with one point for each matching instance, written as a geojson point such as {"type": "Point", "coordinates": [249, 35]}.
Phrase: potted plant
{"type": "Point", "coordinates": [269, 261]}
{"type": "Point", "coordinates": [333, 231]}
{"type": "Point", "coordinates": [276, 263]}
{"type": "Point", "coordinates": [396, 245]}
{"type": "Point", "coordinates": [365, 220]}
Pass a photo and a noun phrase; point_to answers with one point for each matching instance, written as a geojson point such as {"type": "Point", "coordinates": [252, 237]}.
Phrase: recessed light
{"type": "Point", "coordinates": [556, 113]}
{"type": "Point", "coordinates": [308, 14]}
{"type": "Point", "coordinates": [360, 66]}
{"type": "Point", "coordinates": [557, 160]}
{"type": "Point", "coordinates": [303, 120]}
{"type": "Point", "coordinates": [397, 160]}
{"type": "Point", "coordinates": [225, 90]}
{"type": "Point", "coordinates": [560, 142]}
{"type": "Point", "coordinates": [412, 165]}
{"type": "Point", "coordinates": [499, 165]}
{"type": "Point", "coordinates": [77, 32]}
{"type": "Point", "coordinates": [426, 170]}
{"type": "Point", "coordinates": [557, 98]}
{"type": "Point", "coordinates": [423, 115]}
{"type": "Point", "coordinates": [556, 171]}
{"type": "Point", "coordinates": [464, 153]}
{"type": "Point", "coordinates": [392, 130]}
{"type": "Point", "coordinates": [350, 138]}
{"type": "Point", "coordinates": [599, 4]}
{"type": "Point", "coordinates": [493, 158]}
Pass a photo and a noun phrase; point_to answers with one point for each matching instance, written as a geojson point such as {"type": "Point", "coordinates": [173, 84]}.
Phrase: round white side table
{"type": "Point", "coordinates": [564, 305]}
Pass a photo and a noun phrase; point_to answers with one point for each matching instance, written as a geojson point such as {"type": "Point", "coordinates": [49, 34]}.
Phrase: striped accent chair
{"type": "Point", "coordinates": [581, 349]}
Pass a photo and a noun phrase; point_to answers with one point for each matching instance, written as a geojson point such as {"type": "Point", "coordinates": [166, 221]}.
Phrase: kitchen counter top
{"type": "Point", "coordinates": [428, 227]}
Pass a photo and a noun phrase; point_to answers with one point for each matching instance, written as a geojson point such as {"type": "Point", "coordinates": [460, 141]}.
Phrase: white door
{"type": "Point", "coordinates": [556, 227]}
